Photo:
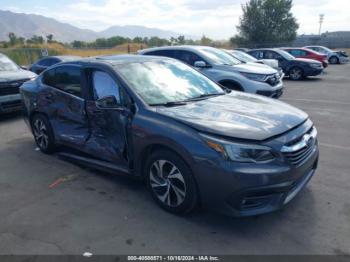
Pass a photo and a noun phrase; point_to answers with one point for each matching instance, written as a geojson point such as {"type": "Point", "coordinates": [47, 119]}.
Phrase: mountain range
{"type": "Point", "coordinates": [27, 25]}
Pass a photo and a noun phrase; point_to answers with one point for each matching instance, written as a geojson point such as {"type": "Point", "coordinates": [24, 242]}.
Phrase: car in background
{"type": "Point", "coordinates": [247, 58]}
{"type": "Point", "coordinates": [160, 120]}
{"type": "Point", "coordinates": [307, 53]}
{"type": "Point", "coordinates": [45, 62]}
{"type": "Point", "coordinates": [295, 68]}
{"type": "Point", "coordinates": [12, 77]}
{"type": "Point", "coordinates": [334, 57]}
{"type": "Point", "coordinates": [225, 69]}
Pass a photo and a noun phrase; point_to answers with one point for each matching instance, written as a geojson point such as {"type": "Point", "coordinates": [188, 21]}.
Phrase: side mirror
{"type": "Point", "coordinates": [107, 102]}
{"type": "Point", "coordinates": [200, 64]}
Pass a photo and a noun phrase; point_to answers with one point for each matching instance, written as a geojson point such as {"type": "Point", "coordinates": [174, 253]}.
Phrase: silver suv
{"type": "Point", "coordinates": [225, 69]}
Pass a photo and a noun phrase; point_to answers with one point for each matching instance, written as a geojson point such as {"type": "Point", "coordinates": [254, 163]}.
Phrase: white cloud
{"type": "Point", "coordinates": [216, 19]}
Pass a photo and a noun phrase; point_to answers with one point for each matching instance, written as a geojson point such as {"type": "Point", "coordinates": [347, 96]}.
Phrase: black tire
{"type": "Point", "coordinates": [182, 196]}
{"type": "Point", "coordinates": [334, 60]}
{"type": "Point", "coordinates": [296, 73]}
{"type": "Point", "coordinates": [43, 134]}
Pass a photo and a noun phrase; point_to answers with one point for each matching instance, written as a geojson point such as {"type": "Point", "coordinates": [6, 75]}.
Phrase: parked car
{"type": "Point", "coordinates": [334, 57]}
{"type": "Point", "coordinates": [307, 53]}
{"type": "Point", "coordinates": [162, 121]}
{"type": "Point", "coordinates": [44, 63]}
{"type": "Point", "coordinates": [247, 58]}
{"type": "Point", "coordinates": [295, 68]}
{"type": "Point", "coordinates": [12, 77]}
{"type": "Point", "coordinates": [225, 69]}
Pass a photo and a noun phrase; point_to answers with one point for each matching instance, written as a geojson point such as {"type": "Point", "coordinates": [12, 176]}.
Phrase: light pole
{"type": "Point", "coordinates": [321, 21]}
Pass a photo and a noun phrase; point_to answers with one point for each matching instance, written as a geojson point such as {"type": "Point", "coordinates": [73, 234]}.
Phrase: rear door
{"type": "Point", "coordinates": [64, 103]}
{"type": "Point", "coordinates": [108, 125]}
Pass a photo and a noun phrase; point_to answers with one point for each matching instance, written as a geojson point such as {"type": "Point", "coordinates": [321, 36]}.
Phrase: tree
{"type": "Point", "coordinates": [267, 21]}
{"type": "Point", "coordinates": [206, 41]}
{"type": "Point", "coordinates": [13, 38]}
{"type": "Point", "coordinates": [49, 38]}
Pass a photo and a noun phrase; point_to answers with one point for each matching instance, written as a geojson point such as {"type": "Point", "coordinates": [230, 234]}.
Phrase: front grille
{"type": "Point", "coordinates": [273, 94]}
{"type": "Point", "coordinates": [273, 79]}
{"type": "Point", "coordinates": [11, 88]}
{"type": "Point", "coordinates": [302, 148]}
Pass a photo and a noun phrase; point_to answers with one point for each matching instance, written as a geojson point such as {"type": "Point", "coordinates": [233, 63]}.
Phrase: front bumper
{"type": "Point", "coordinates": [271, 91]}
{"type": "Point", "coordinates": [313, 71]}
{"type": "Point", "coordinates": [247, 189]}
{"type": "Point", "coordinates": [10, 103]}
{"type": "Point", "coordinates": [344, 59]}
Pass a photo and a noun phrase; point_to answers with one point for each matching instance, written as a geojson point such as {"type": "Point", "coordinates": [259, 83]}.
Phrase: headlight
{"type": "Point", "coordinates": [314, 65]}
{"type": "Point", "coordinates": [254, 77]}
{"type": "Point", "coordinates": [240, 152]}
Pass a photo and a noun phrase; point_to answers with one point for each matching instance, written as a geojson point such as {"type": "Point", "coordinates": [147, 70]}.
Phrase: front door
{"type": "Point", "coordinates": [108, 125]}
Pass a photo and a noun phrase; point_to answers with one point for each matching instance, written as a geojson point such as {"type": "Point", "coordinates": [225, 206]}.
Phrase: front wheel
{"type": "Point", "coordinates": [43, 134]}
{"type": "Point", "coordinates": [296, 73]}
{"type": "Point", "coordinates": [170, 182]}
{"type": "Point", "coordinates": [334, 60]}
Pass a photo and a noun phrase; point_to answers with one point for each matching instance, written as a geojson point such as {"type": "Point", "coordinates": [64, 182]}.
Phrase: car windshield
{"type": "Point", "coordinates": [219, 57]}
{"type": "Point", "coordinates": [286, 55]}
{"type": "Point", "coordinates": [7, 64]}
{"type": "Point", "coordinates": [162, 82]}
{"type": "Point", "coordinates": [243, 56]}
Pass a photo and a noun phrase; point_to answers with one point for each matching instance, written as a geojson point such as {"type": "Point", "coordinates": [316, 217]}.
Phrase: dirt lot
{"type": "Point", "coordinates": [105, 214]}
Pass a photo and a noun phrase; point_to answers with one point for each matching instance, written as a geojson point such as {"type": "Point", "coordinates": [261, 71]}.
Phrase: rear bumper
{"type": "Point", "coordinates": [10, 103]}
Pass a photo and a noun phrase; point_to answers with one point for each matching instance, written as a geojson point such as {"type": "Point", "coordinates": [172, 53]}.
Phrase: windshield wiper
{"type": "Point", "coordinates": [169, 104]}
{"type": "Point", "coordinates": [205, 96]}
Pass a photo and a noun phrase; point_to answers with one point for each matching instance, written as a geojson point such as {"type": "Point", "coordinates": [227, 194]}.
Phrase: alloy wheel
{"type": "Point", "coordinates": [167, 183]}
{"type": "Point", "coordinates": [40, 134]}
{"type": "Point", "coordinates": [296, 74]}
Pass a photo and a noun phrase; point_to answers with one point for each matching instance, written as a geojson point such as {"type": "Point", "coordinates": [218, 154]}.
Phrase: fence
{"type": "Point", "coordinates": [27, 56]}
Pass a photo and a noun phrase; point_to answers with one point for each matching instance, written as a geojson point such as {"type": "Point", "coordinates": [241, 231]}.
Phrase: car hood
{"type": "Point", "coordinates": [249, 68]}
{"type": "Point", "coordinates": [238, 115]}
{"type": "Point", "coordinates": [307, 60]}
{"type": "Point", "coordinates": [9, 76]}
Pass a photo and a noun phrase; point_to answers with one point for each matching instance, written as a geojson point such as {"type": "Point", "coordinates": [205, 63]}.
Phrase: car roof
{"type": "Point", "coordinates": [175, 47]}
{"type": "Point", "coordinates": [116, 59]}
{"type": "Point", "coordinates": [63, 57]}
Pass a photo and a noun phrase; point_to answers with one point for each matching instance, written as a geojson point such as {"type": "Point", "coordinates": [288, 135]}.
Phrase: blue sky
{"type": "Point", "coordinates": [214, 18]}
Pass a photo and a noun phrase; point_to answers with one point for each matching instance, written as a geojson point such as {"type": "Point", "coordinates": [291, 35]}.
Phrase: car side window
{"type": "Point", "coordinates": [49, 77]}
{"type": "Point", "coordinates": [188, 57]}
{"type": "Point", "coordinates": [104, 85]}
{"type": "Point", "coordinates": [48, 62]}
{"type": "Point", "coordinates": [68, 79]}
{"type": "Point", "coordinates": [257, 54]}
{"type": "Point", "coordinates": [166, 53]}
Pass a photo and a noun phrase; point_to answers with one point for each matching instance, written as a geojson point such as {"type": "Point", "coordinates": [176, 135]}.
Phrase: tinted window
{"type": "Point", "coordinates": [257, 54]}
{"type": "Point", "coordinates": [104, 86]}
{"type": "Point", "coordinates": [297, 52]}
{"type": "Point", "coordinates": [48, 62]}
{"type": "Point", "coordinates": [188, 57]}
{"type": "Point", "coordinates": [68, 79]}
{"type": "Point", "coordinates": [49, 77]}
{"type": "Point", "coordinates": [272, 55]}
{"type": "Point", "coordinates": [167, 53]}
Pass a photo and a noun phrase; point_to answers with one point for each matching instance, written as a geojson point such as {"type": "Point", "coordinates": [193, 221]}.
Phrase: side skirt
{"type": "Point", "coordinates": [94, 163]}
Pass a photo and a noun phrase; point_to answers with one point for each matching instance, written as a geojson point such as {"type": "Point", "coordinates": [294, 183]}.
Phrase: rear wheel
{"type": "Point", "coordinates": [296, 73]}
{"type": "Point", "coordinates": [334, 60]}
{"type": "Point", "coordinates": [170, 182]}
{"type": "Point", "coordinates": [43, 134]}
